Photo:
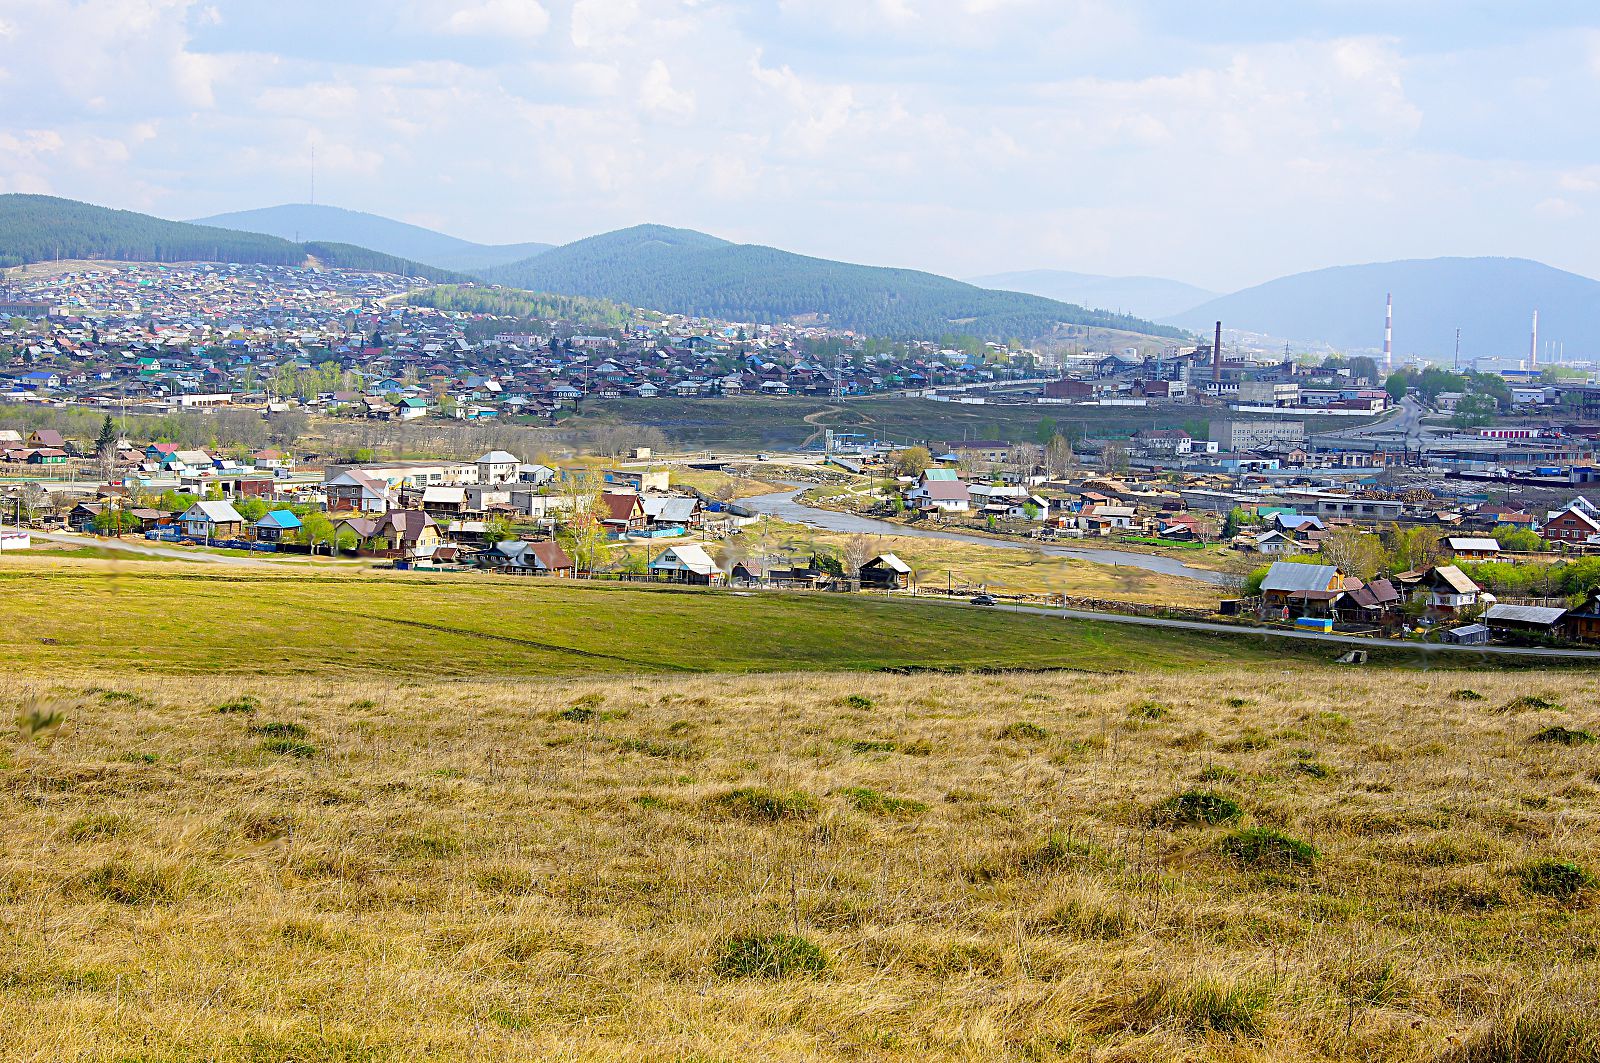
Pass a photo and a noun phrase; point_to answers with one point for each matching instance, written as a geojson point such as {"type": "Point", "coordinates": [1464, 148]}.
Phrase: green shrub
{"type": "Point", "coordinates": [1561, 879]}
{"type": "Point", "coordinates": [1218, 773]}
{"type": "Point", "coordinates": [768, 956]}
{"type": "Point", "coordinates": [1195, 806]}
{"type": "Point", "coordinates": [873, 745]}
{"type": "Point", "coordinates": [577, 714]}
{"type": "Point", "coordinates": [659, 750]}
{"type": "Point", "coordinates": [765, 806]}
{"type": "Point", "coordinates": [1022, 730]}
{"type": "Point", "coordinates": [1305, 763]}
{"type": "Point", "coordinates": [873, 803]}
{"type": "Point", "coordinates": [246, 704]}
{"type": "Point", "coordinates": [288, 747]}
{"type": "Point", "coordinates": [1467, 694]}
{"type": "Point", "coordinates": [1562, 736]}
{"type": "Point", "coordinates": [859, 701]}
{"type": "Point", "coordinates": [1264, 847]}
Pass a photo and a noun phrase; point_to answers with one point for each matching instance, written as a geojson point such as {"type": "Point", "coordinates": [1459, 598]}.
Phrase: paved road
{"type": "Point", "coordinates": [138, 546]}
{"type": "Point", "coordinates": [1306, 636]}
{"type": "Point", "coordinates": [786, 506]}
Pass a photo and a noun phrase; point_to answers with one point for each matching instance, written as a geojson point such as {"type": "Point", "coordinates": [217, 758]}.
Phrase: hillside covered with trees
{"type": "Point", "coordinates": [687, 272]}
{"type": "Point", "coordinates": [47, 228]}
{"type": "Point", "coordinates": [515, 303]}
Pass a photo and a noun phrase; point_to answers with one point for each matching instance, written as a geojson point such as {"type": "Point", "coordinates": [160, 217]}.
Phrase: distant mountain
{"type": "Point", "coordinates": [45, 228]}
{"type": "Point", "coordinates": [307, 221]}
{"type": "Point", "coordinates": [1491, 300]}
{"type": "Point", "coordinates": [1151, 297]}
{"type": "Point", "coordinates": [687, 272]}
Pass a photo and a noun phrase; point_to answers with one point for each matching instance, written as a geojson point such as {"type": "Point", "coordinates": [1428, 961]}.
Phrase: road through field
{"type": "Point", "coordinates": [139, 547]}
{"type": "Point", "coordinates": [786, 505]}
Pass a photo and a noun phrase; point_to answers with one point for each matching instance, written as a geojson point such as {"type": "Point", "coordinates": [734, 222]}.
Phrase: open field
{"type": "Point", "coordinates": [801, 867]}
{"type": "Point", "coordinates": [78, 617]}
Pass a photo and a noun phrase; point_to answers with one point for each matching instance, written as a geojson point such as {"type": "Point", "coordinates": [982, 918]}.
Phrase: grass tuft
{"type": "Point", "coordinates": [1531, 703]}
{"type": "Point", "coordinates": [247, 705]}
{"type": "Point", "coordinates": [288, 747]}
{"type": "Point", "coordinates": [859, 701]}
{"type": "Point", "coordinates": [873, 803]}
{"type": "Point", "coordinates": [768, 956]}
{"type": "Point", "coordinates": [1022, 730]}
{"type": "Point", "coordinates": [1195, 806]}
{"type": "Point", "coordinates": [124, 882]}
{"type": "Point", "coordinates": [1148, 710]}
{"type": "Point", "coordinates": [1563, 736]}
{"type": "Point", "coordinates": [1561, 879]}
{"type": "Point", "coordinates": [278, 730]}
{"type": "Point", "coordinates": [1202, 1006]}
{"type": "Point", "coordinates": [1264, 847]}
{"type": "Point", "coordinates": [761, 805]}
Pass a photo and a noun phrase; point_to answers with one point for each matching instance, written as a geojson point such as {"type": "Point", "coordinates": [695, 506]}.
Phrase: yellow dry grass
{"type": "Point", "coordinates": [552, 869]}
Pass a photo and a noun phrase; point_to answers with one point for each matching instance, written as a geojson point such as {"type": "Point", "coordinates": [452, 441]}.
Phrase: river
{"type": "Point", "coordinates": [785, 505]}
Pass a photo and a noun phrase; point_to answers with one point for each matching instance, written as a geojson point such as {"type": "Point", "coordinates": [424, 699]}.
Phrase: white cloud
{"type": "Point", "coordinates": [508, 18]}
{"type": "Point", "coordinates": [657, 94]}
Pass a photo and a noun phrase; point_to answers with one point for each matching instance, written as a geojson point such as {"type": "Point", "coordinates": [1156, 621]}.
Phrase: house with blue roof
{"type": "Point", "coordinates": [276, 525]}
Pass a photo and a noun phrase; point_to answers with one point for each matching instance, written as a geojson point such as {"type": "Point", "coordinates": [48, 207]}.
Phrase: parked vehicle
{"type": "Point", "coordinates": [983, 599]}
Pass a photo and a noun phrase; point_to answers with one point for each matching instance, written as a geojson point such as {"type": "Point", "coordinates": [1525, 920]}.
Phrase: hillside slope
{"type": "Point", "coordinates": [682, 271]}
{"type": "Point", "coordinates": [306, 221]}
{"type": "Point", "coordinates": [1151, 297]}
{"type": "Point", "coordinates": [43, 228]}
{"type": "Point", "coordinates": [1491, 300]}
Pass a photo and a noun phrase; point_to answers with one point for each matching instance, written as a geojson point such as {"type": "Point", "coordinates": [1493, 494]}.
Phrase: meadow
{"type": "Point", "coordinates": [173, 616]}
{"type": "Point", "coordinates": [1241, 864]}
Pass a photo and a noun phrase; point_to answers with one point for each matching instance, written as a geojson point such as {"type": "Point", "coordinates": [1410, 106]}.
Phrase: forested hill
{"type": "Point", "coordinates": [687, 272]}
{"type": "Point", "coordinates": [46, 228]}
{"type": "Point", "coordinates": [318, 222]}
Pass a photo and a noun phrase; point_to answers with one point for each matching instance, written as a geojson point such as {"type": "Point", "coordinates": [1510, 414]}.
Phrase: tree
{"type": "Point", "coordinates": [1474, 411]}
{"type": "Point", "coordinates": [1058, 455]}
{"type": "Point", "coordinates": [1046, 430]}
{"type": "Point", "coordinates": [1237, 518]}
{"type": "Point", "coordinates": [497, 530]}
{"type": "Point", "coordinates": [1114, 458]}
{"type": "Point", "coordinates": [581, 532]}
{"type": "Point", "coordinates": [912, 461]}
{"type": "Point", "coordinates": [1252, 582]}
{"type": "Point", "coordinates": [1355, 553]}
{"type": "Point", "coordinates": [1415, 549]}
{"type": "Point", "coordinates": [107, 439]}
{"type": "Point", "coordinates": [1397, 385]}
{"type": "Point", "coordinates": [316, 529]}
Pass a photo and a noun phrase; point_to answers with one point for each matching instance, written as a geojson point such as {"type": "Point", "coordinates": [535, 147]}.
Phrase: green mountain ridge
{"type": "Point", "coordinates": [688, 272]}
{"type": "Point", "coordinates": [35, 228]}
{"type": "Point", "coordinates": [312, 221]}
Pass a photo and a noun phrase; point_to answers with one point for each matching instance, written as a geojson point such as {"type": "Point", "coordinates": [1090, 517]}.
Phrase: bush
{"type": "Point", "coordinates": [1467, 695]}
{"type": "Point", "coordinates": [859, 701]}
{"type": "Point", "coordinates": [1561, 879]}
{"type": "Point", "coordinates": [768, 956]}
{"type": "Point", "coordinates": [1563, 737]}
{"type": "Point", "coordinates": [246, 704]}
{"type": "Point", "coordinates": [1023, 730]}
{"type": "Point", "coordinates": [1195, 806]}
{"type": "Point", "coordinates": [872, 745]}
{"type": "Point", "coordinates": [1264, 847]}
{"type": "Point", "coordinates": [1147, 710]}
{"type": "Point", "coordinates": [765, 806]}
{"type": "Point", "coordinates": [873, 803]}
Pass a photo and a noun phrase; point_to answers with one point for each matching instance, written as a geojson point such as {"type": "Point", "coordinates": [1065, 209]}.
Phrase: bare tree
{"type": "Point", "coordinates": [857, 552]}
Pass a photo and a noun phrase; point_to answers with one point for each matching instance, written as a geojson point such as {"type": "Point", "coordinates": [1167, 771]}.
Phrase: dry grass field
{"type": "Point", "coordinates": [1272, 862]}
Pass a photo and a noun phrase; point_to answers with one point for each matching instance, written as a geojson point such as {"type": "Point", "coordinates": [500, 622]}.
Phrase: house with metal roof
{"type": "Point", "coordinates": [1302, 589]}
{"type": "Point", "coordinates": [686, 563]}
{"type": "Point", "coordinates": [1510, 621]}
{"type": "Point", "coordinates": [275, 525]}
{"type": "Point", "coordinates": [212, 520]}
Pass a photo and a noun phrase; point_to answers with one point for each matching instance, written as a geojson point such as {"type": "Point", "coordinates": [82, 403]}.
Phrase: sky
{"type": "Point", "coordinates": [1219, 142]}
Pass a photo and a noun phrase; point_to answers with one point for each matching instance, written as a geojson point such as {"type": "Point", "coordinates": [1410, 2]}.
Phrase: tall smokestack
{"type": "Point", "coordinates": [1388, 335]}
{"type": "Point", "coordinates": [1533, 345]}
{"type": "Point", "coordinates": [1216, 356]}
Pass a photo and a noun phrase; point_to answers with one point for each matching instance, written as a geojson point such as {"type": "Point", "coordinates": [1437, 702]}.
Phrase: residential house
{"type": "Point", "coordinates": [1301, 589]}
{"type": "Point", "coordinates": [519, 557]}
{"type": "Point", "coordinates": [413, 533]}
{"type": "Point", "coordinates": [1522, 622]}
{"type": "Point", "coordinates": [1377, 603]}
{"type": "Point", "coordinates": [1472, 548]}
{"type": "Point", "coordinates": [276, 526]}
{"type": "Point", "coordinates": [686, 563]}
{"type": "Point", "coordinates": [1583, 623]}
{"type": "Point", "coordinates": [1578, 523]}
{"type": "Point", "coordinates": [885, 572]}
{"type": "Point", "coordinates": [670, 511]}
{"type": "Point", "coordinates": [355, 490]}
{"type": "Point", "coordinates": [498, 467]}
{"type": "Point", "coordinates": [940, 495]}
{"type": "Point", "coordinates": [1449, 590]}
{"type": "Point", "coordinates": [212, 520]}
{"type": "Point", "coordinates": [621, 514]}
{"type": "Point", "coordinates": [444, 502]}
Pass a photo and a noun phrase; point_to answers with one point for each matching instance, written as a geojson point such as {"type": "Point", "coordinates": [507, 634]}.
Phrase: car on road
{"type": "Point", "coordinates": [983, 599]}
